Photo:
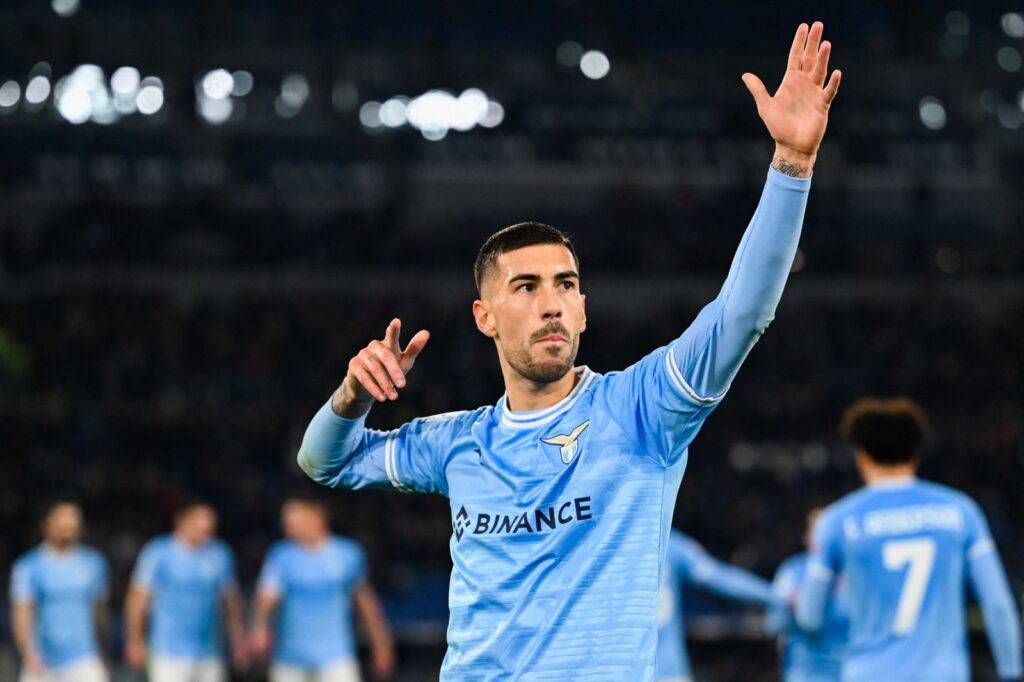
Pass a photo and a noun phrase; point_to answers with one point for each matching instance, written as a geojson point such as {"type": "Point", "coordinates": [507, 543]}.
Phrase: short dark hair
{"type": "Point", "coordinates": [891, 431]}
{"type": "Point", "coordinates": [312, 502]}
{"type": "Point", "coordinates": [189, 505]}
{"type": "Point", "coordinates": [51, 505]}
{"type": "Point", "coordinates": [515, 237]}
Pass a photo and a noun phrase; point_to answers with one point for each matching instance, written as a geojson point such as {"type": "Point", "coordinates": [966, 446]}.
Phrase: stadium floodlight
{"type": "Point", "coordinates": [295, 91]}
{"type": "Point", "coordinates": [150, 99]}
{"type": "Point", "coordinates": [494, 115]}
{"type": "Point", "coordinates": [1013, 24]}
{"type": "Point", "coordinates": [1009, 59]}
{"type": "Point", "coordinates": [569, 54]}
{"type": "Point", "coordinates": [38, 90]}
{"type": "Point", "coordinates": [215, 111]}
{"type": "Point", "coordinates": [244, 83]}
{"type": "Point", "coordinates": [933, 114]}
{"type": "Point", "coordinates": [125, 81]}
{"type": "Point", "coordinates": [595, 64]}
{"type": "Point", "coordinates": [65, 8]}
{"type": "Point", "coordinates": [217, 84]}
{"type": "Point", "coordinates": [958, 23]}
{"type": "Point", "coordinates": [10, 93]}
{"type": "Point", "coordinates": [392, 112]}
{"type": "Point", "coordinates": [369, 115]}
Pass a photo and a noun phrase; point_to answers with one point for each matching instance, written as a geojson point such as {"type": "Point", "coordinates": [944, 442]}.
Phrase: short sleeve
{"type": "Point", "coordinates": [101, 577]}
{"type": "Point", "coordinates": [271, 577]}
{"type": "Point", "coordinates": [656, 406]}
{"type": "Point", "coordinates": [146, 566]}
{"type": "Point", "coordinates": [358, 564]}
{"type": "Point", "coordinates": [226, 578]}
{"type": "Point", "coordinates": [23, 587]}
{"type": "Point", "coordinates": [826, 547]}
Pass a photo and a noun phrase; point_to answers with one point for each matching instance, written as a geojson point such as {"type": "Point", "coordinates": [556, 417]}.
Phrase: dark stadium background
{"type": "Point", "coordinates": [178, 296]}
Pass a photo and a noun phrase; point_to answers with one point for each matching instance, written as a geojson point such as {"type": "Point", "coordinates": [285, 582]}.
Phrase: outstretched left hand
{"type": "Point", "coordinates": [796, 116]}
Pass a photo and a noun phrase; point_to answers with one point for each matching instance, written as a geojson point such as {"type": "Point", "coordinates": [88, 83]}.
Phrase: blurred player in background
{"type": "Point", "coordinates": [183, 594]}
{"type": "Point", "coordinates": [808, 657]}
{"type": "Point", "coordinates": [311, 580]}
{"type": "Point", "coordinates": [906, 549]}
{"type": "Point", "coordinates": [561, 494]}
{"type": "Point", "coordinates": [688, 564]}
{"type": "Point", "coordinates": [59, 603]}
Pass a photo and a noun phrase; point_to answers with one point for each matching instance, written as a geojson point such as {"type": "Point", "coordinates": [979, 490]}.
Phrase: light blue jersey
{"type": "Point", "coordinates": [809, 656]}
{"type": "Point", "coordinates": [906, 549]}
{"type": "Point", "coordinates": [64, 587]}
{"type": "Point", "coordinates": [186, 585]}
{"type": "Point", "coordinates": [560, 516]}
{"type": "Point", "coordinates": [688, 564]}
{"type": "Point", "coordinates": [315, 586]}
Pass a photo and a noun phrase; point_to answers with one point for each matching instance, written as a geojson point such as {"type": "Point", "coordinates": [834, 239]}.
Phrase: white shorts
{"type": "Point", "coordinates": [342, 671]}
{"type": "Point", "coordinates": [85, 670]}
{"type": "Point", "coordinates": [167, 669]}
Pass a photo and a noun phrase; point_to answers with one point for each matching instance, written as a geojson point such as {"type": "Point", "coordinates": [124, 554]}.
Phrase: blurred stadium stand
{"type": "Point", "coordinates": [178, 296]}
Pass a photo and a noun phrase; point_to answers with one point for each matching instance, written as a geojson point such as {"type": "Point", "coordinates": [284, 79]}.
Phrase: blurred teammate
{"type": "Point", "coordinates": [561, 494]}
{"type": "Point", "coordinates": [312, 579]}
{"type": "Point", "coordinates": [688, 563]}
{"type": "Point", "coordinates": [906, 549]}
{"type": "Point", "coordinates": [183, 594]}
{"type": "Point", "coordinates": [59, 603]}
{"type": "Point", "coordinates": [806, 656]}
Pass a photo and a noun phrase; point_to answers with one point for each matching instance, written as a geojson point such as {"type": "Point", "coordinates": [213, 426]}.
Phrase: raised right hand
{"type": "Point", "coordinates": [377, 372]}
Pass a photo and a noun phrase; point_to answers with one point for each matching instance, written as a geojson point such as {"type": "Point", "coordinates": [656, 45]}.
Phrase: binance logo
{"type": "Point", "coordinates": [570, 445]}
{"type": "Point", "coordinates": [460, 524]}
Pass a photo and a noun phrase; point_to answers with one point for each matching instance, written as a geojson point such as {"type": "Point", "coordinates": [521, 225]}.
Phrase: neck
{"type": "Point", "coordinates": [186, 540]}
{"type": "Point", "coordinates": [525, 395]}
{"type": "Point", "coordinates": [313, 541]}
{"type": "Point", "coordinates": [59, 546]}
{"type": "Point", "coordinates": [875, 473]}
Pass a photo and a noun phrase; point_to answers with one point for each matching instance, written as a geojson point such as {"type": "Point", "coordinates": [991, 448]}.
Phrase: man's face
{"type": "Point", "coordinates": [199, 524]}
{"type": "Point", "coordinates": [63, 525]}
{"type": "Point", "coordinates": [532, 307]}
{"type": "Point", "coordinates": [300, 521]}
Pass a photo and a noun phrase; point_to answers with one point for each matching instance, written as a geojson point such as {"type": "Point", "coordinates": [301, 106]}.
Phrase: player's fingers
{"type": "Point", "coordinates": [813, 42]}
{"type": "Point", "coordinates": [369, 384]}
{"type": "Point", "coordinates": [833, 86]}
{"type": "Point", "coordinates": [416, 344]}
{"type": "Point", "coordinates": [757, 89]}
{"type": "Point", "coordinates": [390, 362]}
{"type": "Point", "coordinates": [377, 370]}
{"type": "Point", "coordinates": [821, 63]}
{"type": "Point", "coordinates": [796, 51]}
{"type": "Point", "coordinates": [392, 334]}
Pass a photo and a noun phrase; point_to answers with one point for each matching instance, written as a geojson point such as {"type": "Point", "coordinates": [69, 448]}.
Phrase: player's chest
{"type": "Point", "coordinates": [192, 571]}
{"type": "Point", "coordinates": [71, 580]}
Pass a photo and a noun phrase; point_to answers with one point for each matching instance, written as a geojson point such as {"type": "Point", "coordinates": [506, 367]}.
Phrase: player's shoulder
{"type": "Point", "coordinates": [449, 425]}
{"type": "Point", "coordinates": [347, 545]}
{"type": "Point", "coordinates": [281, 548]}
{"type": "Point", "coordinates": [848, 505]}
{"type": "Point", "coordinates": [945, 493]}
{"type": "Point", "coordinates": [92, 555]}
{"type": "Point", "coordinates": [28, 560]}
{"type": "Point", "coordinates": [793, 565]}
{"type": "Point", "coordinates": [220, 548]}
{"type": "Point", "coordinates": [158, 543]}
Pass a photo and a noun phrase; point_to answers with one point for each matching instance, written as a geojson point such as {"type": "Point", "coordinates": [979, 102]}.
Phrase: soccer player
{"type": "Point", "coordinates": [906, 549]}
{"type": "Point", "coordinates": [59, 603]}
{"type": "Point", "coordinates": [808, 657]}
{"type": "Point", "coordinates": [561, 493]}
{"type": "Point", "coordinates": [688, 563]}
{"type": "Point", "coordinates": [312, 579]}
{"type": "Point", "coordinates": [184, 588]}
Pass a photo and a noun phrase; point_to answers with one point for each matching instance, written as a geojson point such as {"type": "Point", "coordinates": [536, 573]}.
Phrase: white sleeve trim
{"type": "Point", "coordinates": [680, 382]}
{"type": "Point", "coordinates": [391, 463]}
{"type": "Point", "coordinates": [981, 548]}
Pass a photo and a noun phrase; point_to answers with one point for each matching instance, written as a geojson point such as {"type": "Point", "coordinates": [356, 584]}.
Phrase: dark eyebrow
{"type": "Point", "coordinates": [528, 277]}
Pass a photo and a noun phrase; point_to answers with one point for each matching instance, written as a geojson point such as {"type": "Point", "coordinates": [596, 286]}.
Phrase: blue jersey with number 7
{"type": "Point", "coordinates": [908, 549]}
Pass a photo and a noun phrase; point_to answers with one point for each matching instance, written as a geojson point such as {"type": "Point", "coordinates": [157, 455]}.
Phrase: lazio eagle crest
{"type": "Point", "coordinates": [570, 445]}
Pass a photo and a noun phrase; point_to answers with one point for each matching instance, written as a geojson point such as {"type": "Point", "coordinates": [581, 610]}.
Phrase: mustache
{"type": "Point", "coordinates": [549, 330]}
